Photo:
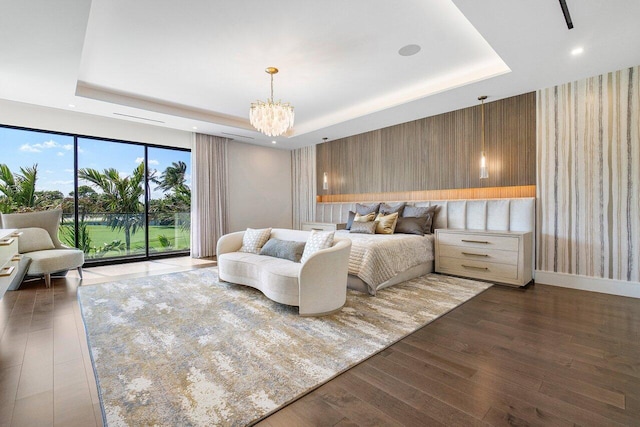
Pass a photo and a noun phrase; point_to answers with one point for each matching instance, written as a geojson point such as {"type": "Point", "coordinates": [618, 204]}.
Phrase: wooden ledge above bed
{"type": "Point", "coordinates": [454, 194]}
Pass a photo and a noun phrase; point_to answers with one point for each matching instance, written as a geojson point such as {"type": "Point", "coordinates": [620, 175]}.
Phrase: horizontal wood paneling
{"type": "Point", "coordinates": [436, 153]}
{"type": "Point", "coordinates": [461, 193]}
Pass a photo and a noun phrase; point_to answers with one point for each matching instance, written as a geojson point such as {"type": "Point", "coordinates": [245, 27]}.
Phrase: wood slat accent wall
{"type": "Point", "coordinates": [436, 153]}
{"type": "Point", "coordinates": [456, 194]}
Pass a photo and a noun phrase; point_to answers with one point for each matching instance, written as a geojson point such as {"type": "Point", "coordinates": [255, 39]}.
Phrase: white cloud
{"type": "Point", "coordinates": [68, 147]}
{"type": "Point", "coordinates": [151, 161]}
{"type": "Point", "coordinates": [48, 144]}
{"type": "Point", "coordinates": [68, 170]}
{"type": "Point", "coordinates": [60, 153]}
{"type": "Point", "coordinates": [29, 148]}
{"type": "Point", "coordinates": [154, 162]}
{"type": "Point", "coordinates": [139, 160]}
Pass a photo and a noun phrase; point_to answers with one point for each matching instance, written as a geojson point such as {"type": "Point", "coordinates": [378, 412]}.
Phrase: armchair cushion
{"type": "Point", "coordinates": [34, 239]}
{"type": "Point", "coordinates": [54, 260]}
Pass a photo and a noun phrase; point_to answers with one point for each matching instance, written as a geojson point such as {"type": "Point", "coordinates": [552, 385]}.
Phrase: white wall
{"type": "Point", "coordinates": [57, 120]}
{"type": "Point", "coordinates": [259, 187]}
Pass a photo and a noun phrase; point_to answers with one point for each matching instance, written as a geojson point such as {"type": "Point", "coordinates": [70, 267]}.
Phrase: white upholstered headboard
{"type": "Point", "coordinates": [477, 214]}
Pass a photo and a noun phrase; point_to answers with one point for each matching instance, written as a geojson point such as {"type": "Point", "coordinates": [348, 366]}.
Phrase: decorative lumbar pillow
{"type": "Point", "coordinates": [385, 224]}
{"type": "Point", "coordinates": [364, 218]}
{"type": "Point", "coordinates": [34, 239]}
{"type": "Point", "coordinates": [413, 225]}
{"type": "Point", "coordinates": [317, 241]}
{"type": "Point", "coordinates": [254, 239]}
{"type": "Point", "coordinates": [386, 209]}
{"type": "Point", "coordinates": [285, 249]}
{"type": "Point", "coordinates": [367, 209]}
{"type": "Point", "coordinates": [352, 216]}
{"type": "Point", "coordinates": [364, 227]}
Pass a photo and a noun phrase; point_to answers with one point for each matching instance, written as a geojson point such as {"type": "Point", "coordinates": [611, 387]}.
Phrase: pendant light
{"type": "Point", "coordinates": [484, 170]}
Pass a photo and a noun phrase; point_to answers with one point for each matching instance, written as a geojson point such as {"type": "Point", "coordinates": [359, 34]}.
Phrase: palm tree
{"type": "Point", "coordinates": [173, 179]}
{"type": "Point", "coordinates": [19, 189]}
{"type": "Point", "coordinates": [122, 196]}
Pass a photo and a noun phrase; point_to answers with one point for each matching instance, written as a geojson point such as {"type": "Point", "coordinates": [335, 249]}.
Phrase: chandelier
{"type": "Point", "coordinates": [271, 118]}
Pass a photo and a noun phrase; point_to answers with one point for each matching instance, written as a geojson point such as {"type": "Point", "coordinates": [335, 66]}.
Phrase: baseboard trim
{"type": "Point", "coordinates": [587, 283]}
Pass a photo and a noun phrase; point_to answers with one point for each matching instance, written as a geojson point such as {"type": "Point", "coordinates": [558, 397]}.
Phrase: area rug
{"type": "Point", "coordinates": [187, 349]}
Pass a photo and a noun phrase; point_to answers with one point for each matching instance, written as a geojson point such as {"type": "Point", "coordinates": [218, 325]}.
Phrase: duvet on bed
{"type": "Point", "coordinates": [376, 258]}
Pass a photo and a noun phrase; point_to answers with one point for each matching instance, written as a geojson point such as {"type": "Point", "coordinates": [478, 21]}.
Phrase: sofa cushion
{"type": "Point", "coordinates": [34, 239]}
{"type": "Point", "coordinates": [254, 239]}
{"type": "Point", "coordinates": [53, 260]}
{"type": "Point", "coordinates": [317, 241]}
{"type": "Point", "coordinates": [285, 249]}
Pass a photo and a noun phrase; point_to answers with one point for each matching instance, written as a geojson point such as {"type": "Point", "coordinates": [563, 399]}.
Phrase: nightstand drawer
{"type": "Point", "coordinates": [322, 226]}
{"type": "Point", "coordinates": [479, 254]}
{"type": "Point", "coordinates": [478, 269]}
{"type": "Point", "coordinates": [505, 243]}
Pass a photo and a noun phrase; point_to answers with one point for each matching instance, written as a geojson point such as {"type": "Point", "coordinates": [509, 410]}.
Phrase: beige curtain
{"type": "Point", "coordinates": [303, 176]}
{"type": "Point", "coordinates": [209, 202]}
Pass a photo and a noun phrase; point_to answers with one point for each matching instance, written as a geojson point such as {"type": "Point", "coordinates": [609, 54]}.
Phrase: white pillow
{"type": "Point", "coordinates": [317, 241]}
{"type": "Point", "coordinates": [34, 239]}
{"type": "Point", "coordinates": [254, 239]}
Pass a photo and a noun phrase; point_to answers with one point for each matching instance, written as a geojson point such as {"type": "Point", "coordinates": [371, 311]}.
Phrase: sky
{"type": "Point", "coordinates": [54, 156]}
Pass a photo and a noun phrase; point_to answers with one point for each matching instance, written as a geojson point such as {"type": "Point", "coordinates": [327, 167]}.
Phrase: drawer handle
{"type": "Point", "coordinates": [6, 242]}
{"type": "Point", "coordinates": [6, 271]}
{"type": "Point", "coordinates": [16, 257]}
{"type": "Point", "coordinates": [472, 254]}
{"type": "Point", "coordinates": [317, 229]}
{"type": "Point", "coordinates": [475, 241]}
{"type": "Point", "coordinates": [474, 267]}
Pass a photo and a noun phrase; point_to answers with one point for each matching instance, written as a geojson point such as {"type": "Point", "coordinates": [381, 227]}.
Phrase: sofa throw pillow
{"type": "Point", "coordinates": [254, 239]}
{"type": "Point", "coordinates": [352, 216]}
{"type": "Point", "coordinates": [317, 241]}
{"type": "Point", "coordinates": [386, 208]}
{"type": "Point", "coordinates": [367, 209]}
{"type": "Point", "coordinates": [364, 218]}
{"type": "Point", "coordinates": [412, 225]}
{"type": "Point", "coordinates": [34, 239]}
{"type": "Point", "coordinates": [364, 227]}
{"type": "Point", "coordinates": [285, 249]}
{"type": "Point", "coordinates": [385, 224]}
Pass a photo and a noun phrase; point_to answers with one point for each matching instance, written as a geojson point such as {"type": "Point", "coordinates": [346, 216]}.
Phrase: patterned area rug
{"type": "Point", "coordinates": [186, 349]}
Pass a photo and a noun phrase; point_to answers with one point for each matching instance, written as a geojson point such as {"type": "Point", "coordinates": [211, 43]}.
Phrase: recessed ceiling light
{"type": "Point", "coordinates": [72, 105]}
{"type": "Point", "coordinates": [577, 51]}
{"type": "Point", "coordinates": [410, 49]}
{"type": "Point", "coordinates": [195, 128]}
{"type": "Point", "coordinates": [273, 142]}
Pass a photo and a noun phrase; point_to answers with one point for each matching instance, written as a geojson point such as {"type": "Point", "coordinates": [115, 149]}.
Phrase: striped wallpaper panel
{"type": "Point", "coordinates": [588, 184]}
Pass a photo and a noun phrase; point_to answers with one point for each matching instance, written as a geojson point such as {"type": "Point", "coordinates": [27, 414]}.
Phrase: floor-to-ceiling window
{"type": "Point", "coordinates": [133, 200]}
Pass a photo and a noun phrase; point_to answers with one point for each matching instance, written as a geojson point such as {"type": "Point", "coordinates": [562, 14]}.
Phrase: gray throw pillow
{"type": "Point", "coordinates": [367, 209]}
{"type": "Point", "coordinates": [386, 209]}
{"type": "Point", "coordinates": [415, 211]}
{"type": "Point", "coordinates": [352, 215]}
{"type": "Point", "coordinates": [285, 249]}
{"type": "Point", "coordinates": [364, 227]}
{"type": "Point", "coordinates": [413, 225]}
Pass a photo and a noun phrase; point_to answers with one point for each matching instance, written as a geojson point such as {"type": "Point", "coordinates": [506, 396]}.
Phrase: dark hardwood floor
{"type": "Point", "coordinates": [537, 356]}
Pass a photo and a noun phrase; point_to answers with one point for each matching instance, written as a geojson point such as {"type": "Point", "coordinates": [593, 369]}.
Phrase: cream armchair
{"type": "Point", "coordinates": [39, 241]}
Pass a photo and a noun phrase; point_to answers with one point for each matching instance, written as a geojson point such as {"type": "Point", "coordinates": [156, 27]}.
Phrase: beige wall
{"type": "Point", "coordinates": [56, 120]}
{"type": "Point", "coordinates": [259, 187]}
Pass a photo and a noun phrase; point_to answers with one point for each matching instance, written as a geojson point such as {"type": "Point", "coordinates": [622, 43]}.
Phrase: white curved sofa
{"type": "Point", "coordinates": [317, 287]}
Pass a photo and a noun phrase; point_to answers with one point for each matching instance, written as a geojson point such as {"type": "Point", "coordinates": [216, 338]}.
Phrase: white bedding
{"type": "Point", "coordinates": [376, 258]}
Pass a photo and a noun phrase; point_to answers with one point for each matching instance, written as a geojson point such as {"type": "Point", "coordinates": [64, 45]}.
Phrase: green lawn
{"type": "Point", "coordinates": [178, 238]}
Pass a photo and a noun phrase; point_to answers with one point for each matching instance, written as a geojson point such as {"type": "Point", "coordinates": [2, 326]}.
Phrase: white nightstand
{"type": "Point", "coordinates": [323, 226]}
{"type": "Point", "coordinates": [496, 256]}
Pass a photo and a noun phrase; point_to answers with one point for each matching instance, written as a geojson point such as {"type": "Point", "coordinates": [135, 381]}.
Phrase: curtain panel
{"type": "Point", "coordinates": [209, 203]}
{"type": "Point", "coordinates": [303, 175]}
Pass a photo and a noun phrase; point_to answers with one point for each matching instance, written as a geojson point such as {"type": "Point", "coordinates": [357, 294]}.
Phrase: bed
{"type": "Point", "coordinates": [379, 261]}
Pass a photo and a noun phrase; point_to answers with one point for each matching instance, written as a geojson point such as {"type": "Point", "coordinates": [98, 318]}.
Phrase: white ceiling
{"type": "Point", "coordinates": [200, 63]}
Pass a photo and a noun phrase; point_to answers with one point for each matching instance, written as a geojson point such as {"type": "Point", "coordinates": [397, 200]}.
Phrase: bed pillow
{"type": "Point", "coordinates": [364, 218]}
{"type": "Point", "coordinates": [367, 209]}
{"type": "Point", "coordinates": [254, 239]}
{"type": "Point", "coordinates": [385, 224]}
{"type": "Point", "coordinates": [415, 211]}
{"type": "Point", "coordinates": [317, 241]}
{"type": "Point", "coordinates": [352, 216]}
{"type": "Point", "coordinates": [34, 239]}
{"type": "Point", "coordinates": [285, 249]}
{"type": "Point", "coordinates": [412, 225]}
{"type": "Point", "coordinates": [363, 227]}
{"type": "Point", "coordinates": [386, 209]}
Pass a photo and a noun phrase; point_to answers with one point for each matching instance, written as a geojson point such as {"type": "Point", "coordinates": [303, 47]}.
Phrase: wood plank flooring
{"type": "Point", "coordinates": [538, 356]}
